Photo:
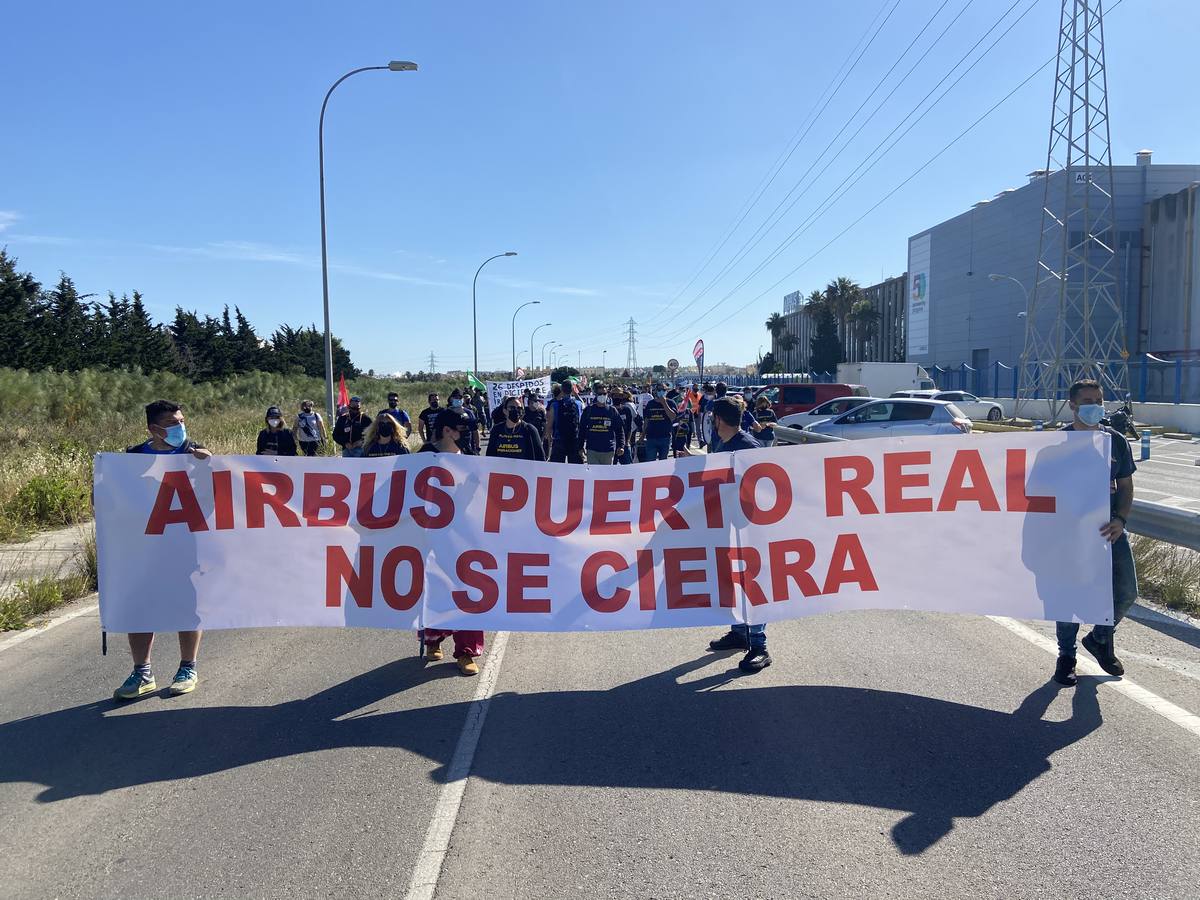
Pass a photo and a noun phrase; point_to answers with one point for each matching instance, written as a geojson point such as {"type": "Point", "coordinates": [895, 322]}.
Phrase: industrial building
{"type": "Point", "coordinates": [969, 277]}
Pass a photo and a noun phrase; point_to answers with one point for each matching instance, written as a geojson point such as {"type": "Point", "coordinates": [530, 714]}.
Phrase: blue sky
{"type": "Point", "coordinates": [171, 148]}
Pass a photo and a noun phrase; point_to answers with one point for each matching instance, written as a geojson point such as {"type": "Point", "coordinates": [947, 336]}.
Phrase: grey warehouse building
{"type": "Point", "coordinates": [956, 314]}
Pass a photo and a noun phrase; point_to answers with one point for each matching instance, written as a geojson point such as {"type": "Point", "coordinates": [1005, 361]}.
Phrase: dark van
{"type": "Point", "coordinates": [786, 399]}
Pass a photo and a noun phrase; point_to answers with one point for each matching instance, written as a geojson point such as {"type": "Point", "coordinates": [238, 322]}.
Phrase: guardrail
{"type": "Point", "coordinates": [1166, 523]}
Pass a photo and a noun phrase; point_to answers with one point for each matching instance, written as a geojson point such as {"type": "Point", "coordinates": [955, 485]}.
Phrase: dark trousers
{"type": "Point", "coordinates": [565, 452]}
{"type": "Point", "coordinates": [309, 448]}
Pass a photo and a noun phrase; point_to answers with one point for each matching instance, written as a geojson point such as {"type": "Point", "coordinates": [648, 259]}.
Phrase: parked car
{"type": "Point", "coordinates": [787, 436]}
{"type": "Point", "coordinates": [968, 403]}
{"type": "Point", "coordinates": [896, 417]}
{"type": "Point", "coordinates": [826, 410]}
{"type": "Point", "coordinates": [789, 399]}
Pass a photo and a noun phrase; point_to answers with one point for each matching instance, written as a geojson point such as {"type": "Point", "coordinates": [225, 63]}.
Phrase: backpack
{"type": "Point", "coordinates": [567, 417]}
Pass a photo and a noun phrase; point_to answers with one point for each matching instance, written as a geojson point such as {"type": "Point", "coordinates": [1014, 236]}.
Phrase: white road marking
{"type": "Point", "coordinates": [22, 636]}
{"type": "Point", "coordinates": [428, 868]}
{"type": "Point", "coordinates": [1176, 714]}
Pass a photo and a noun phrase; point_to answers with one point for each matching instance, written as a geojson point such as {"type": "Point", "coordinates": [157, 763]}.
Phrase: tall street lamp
{"type": "Point", "coordinates": [514, 332]}
{"type": "Point", "coordinates": [604, 364]}
{"type": "Point", "coordinates": [393, 66]}
{"type": "Point", "coordinates": [474, 318]}
{"type": "Point", "coordinates": [544, 346]}
{"type": "Point", "coordinates": [535, 331]}
{"type": "Point", "coordinates": [995, 276]}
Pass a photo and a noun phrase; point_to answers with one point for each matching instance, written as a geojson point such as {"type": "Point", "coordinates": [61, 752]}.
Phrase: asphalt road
{"type": "Point", "coordinates": [1171, 474]}
{"type": "Point", "coordinates": [883, 755]}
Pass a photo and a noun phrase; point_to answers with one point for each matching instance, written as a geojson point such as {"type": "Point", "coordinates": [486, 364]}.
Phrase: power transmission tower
{"type": "Point", "coordinates": [1074, 326]}
{"type": "Point", "coordinates": [631, 357]}
{"type": "Point", "coordinates": [432, 363]}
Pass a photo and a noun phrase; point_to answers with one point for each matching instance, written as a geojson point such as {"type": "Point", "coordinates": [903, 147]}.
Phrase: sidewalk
{"type": "Point", "coordinates": [48, 554]}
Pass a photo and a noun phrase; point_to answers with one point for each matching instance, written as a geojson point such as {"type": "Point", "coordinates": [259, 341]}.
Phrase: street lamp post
{"type": "Point", "coordinates": [474, 318]}
{"type": "Point", "coordinates": [393, 66]}
{"type": "Point", "coordinates": [514, 332]}
{"type": "Point", "coordinates": [544, 346]}
{"type": "Point", "coordinates": [535, 331]}
{"type": "Point", "coordinates": [604, 364]}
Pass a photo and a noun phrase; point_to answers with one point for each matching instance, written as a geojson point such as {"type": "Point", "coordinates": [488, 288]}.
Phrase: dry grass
{"type": "Point", "coordinates": [51, 424]}
{"type": "Point", "coordinates": [1168, 574]}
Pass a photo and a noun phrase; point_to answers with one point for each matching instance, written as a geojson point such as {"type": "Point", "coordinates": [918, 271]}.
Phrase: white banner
{"type": "Point", "coordinates": [498, 390]}
{"type": "Point", "coordinates": [1007, 524]}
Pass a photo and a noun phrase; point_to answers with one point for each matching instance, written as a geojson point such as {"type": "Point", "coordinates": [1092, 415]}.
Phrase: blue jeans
{"type": "Point", "coordinates": [626, 458]}
{"type": "Point", "coordinates": [352, 452]}
{"type": "Point", "coordinates": [1125, 590]}
{"type": "Point", "coordinates": [657, 448]}
{"type": "Point", "coordinates": [755, 635]}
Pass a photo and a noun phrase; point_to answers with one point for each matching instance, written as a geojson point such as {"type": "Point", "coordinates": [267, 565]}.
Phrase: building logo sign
{"type": "Point", "coordinates": [791, 302]}
{"type": "Point", "coordinates": [917, 318]}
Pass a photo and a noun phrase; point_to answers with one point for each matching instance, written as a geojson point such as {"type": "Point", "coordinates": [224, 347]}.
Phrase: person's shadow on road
{"type": "Point", "coordinates": [934, 759]}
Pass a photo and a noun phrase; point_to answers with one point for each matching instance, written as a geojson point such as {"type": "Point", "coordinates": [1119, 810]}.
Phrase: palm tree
{"type": "Point", "coordinates": [788, 343]}
{"type": "Point", "coordinates": [842, 294]}
{"type": "Point", "coordinates": [777, 325]}
{"type": "Point", "coordinates": [864, 322]}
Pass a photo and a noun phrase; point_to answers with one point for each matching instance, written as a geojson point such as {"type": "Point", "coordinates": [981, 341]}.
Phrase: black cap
{"type": "Point", "coordinates": [454, 418]}
{"type": "Point", "coordinates": [273, 411]}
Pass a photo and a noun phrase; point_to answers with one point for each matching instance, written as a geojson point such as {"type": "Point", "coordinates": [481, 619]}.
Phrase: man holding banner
{"type": "Point", "coordinates": [1087, 403]}
{"type": "Point", "coordinates": [752, 638]}
{"type": "Point", "coordinates": [168, 435]}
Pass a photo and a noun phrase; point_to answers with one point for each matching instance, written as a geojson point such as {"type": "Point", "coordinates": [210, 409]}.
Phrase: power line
{"type": "Point", "coordinates": [794, 142]}
{"type": "Point", "coordinates": [834, 196]}
{"type": "Point", "coordinates": [773, 218]}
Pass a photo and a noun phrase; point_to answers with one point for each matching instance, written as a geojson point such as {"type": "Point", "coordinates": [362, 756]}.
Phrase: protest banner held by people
{"type": "Point", "coordinates": [168, 436]}
{"type": "Point", "coordinates": [736, 539]}
{"type": "Point", "coordinates": [1086, 399]}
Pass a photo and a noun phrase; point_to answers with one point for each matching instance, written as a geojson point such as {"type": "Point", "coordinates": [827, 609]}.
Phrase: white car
{"type": "Point", "coordinates": [967, 403]}
{"type": "Point", "coordinates": [824, 412]}
{"type": "Point", "coordinates": [896, 417]}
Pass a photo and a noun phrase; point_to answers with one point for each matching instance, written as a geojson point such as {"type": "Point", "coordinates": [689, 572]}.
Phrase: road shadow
{"type": "Point", "coordinates": [933, 759]}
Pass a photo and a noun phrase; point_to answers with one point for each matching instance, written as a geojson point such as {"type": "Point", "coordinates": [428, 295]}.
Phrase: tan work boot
{"type": "Point", "coordinates": [433, 652]}
{"type": "Point", "coordinates": [467, 665]}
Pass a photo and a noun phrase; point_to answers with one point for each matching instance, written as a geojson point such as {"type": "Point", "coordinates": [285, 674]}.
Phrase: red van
{"type": "Point", "coordinates": [786, 399]}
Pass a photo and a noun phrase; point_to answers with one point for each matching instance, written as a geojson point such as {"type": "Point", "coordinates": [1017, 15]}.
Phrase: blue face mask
{"type": "Point", "coordinates": [176, 435]}
{"type": "Point", "coordinates": [456, 402]}
{"type": "Point", "coordinates": [660, 394]}
{"type": "Point", "coordinates": [1090, 413]}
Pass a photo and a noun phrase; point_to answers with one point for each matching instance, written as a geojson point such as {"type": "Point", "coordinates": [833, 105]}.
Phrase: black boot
{"type": "Point", "coordinates": [730, 641]}
{"type": "Point", "coordinates": [1104, 655]}
{"type": "Point", "coordinates": [1064, 672]}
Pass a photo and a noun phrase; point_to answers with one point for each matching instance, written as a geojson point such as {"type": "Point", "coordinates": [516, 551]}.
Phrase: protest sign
{"type": "Point", "coordinates": [1006, 525]}
{"type": "Point", "coordinates": [498, 390]}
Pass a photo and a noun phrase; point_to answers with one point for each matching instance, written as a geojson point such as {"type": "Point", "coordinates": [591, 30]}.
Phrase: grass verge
{"type": "Point", "coordinates": [38, 596]}
{"type": "Point", "coordinates": [1168, 574]}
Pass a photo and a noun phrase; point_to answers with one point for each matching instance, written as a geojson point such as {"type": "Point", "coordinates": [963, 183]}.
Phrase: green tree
{"type": "Point", "coordinates": [825, 347]}
{"type": "Point", "coordinates": [864, 325]}
{"type": "Point", "coordinates": [767, 364]}
{"type": "Point", "coordinates": [20, 295]}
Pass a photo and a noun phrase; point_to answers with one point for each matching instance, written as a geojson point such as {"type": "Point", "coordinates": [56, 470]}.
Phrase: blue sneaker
{"type": "Point", "coordinates": [135, 686]}
{"type": "Point", "coordinates": [184, 681]}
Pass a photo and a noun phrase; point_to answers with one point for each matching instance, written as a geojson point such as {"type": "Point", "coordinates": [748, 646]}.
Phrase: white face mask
{"type": "Point", "coordinates": [274, 423]}
{"type": "Point", "coordinates": [602, 400]}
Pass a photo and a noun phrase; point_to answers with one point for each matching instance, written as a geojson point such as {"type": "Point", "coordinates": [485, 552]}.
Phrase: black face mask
{"type": "Point", "coordinates": [433, 404]}
{"type": "Point", "coordinates": [387, 429]}
{"type": "Point", "coordinates": [514, 415]}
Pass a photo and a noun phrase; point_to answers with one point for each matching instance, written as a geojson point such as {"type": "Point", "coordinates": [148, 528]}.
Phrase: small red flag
{"type": "Point", "coordinates": [343, 394]}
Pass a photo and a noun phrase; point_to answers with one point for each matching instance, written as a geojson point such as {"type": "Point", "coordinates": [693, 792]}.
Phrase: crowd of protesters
{"type": "Point", "coordinates": [600, 425]}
